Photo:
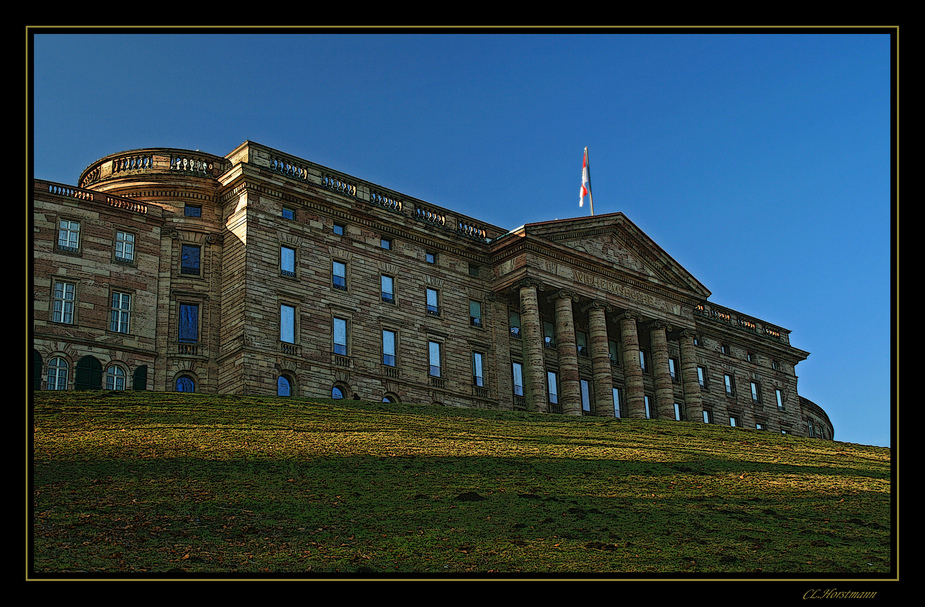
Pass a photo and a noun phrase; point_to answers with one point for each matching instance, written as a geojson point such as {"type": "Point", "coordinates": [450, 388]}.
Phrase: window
{"type": "Point", "coordinates": [287, 261]}
{"type": "Point", "coordinates": [475, 313]}
{"type": "Point", "coordinates": [433, 306]}
{"type": "Point", "coordinates": [68, 235]}
{"type": "Point", "coordinates": [473, 270]}
{"type": "Point", "coordinates": [514, 322]}
{"type": "Point", "coordinates": [517, 371]}
{"type": "Point", "coordinates": [760, 426]}
{"type": "Point", "coordinates": [385, 243]}
{"type": "Point", "coordinates": [478, 376]}
{"type": "Point", "coordinates": [63, 303]}
{"type": "Point", "coordinates": [433, 353]}
{"type": "Point", "coordinates": [288, 213]}
{"type": "Point", "coordinates": [552, 385]}
{"type": "Point", "coordinates": [125, 247]}
{"type": "Point", "coordinates": [189, 323]}
{"type": "Point", "coordinates": [678, 412]}
{"type": "Point", "coordinates": [581, 341]}
{"type": "Point", "coordinates": [189, 259]}
{"type": "Point", "coordinates": [724, 348]}
{"type": "Point", "coordinates": [775, 365]}
{"type": "Point", "coordinates": [585, 395]}
{"type": "Point", "coordinates": [287, 324]}
{"type": "Point", "coordinates": [57, 374]}
{"type": "Point", "coordinates": [119, 312]}
{"type": "Point", "coordinates": [388, 348]}
{"type": "Point", "coordinates": [642, 361]}
{"type": "Point", "coordinates": [337, 392]}
{"type": "Point", "coordinates": [673, 369]}
{"type": "Point", "coordinates": [549, 334]}
{"type": "Point", "coordinates": [613, 352]}
{"type": "Point", "coordinates": [707, 416]}
{"type": "Point", "coordinates": [340, 336]}
{"type": "Point", "coordinates": [756, 394]}
{"type": "Point", "coordinates": [185, 384]}
{"type": "Point", "coordinates": [750, 357]}
{"type": "Point", "coordinates": [729, 383]}
{"type": "Point", "coordinates": [338, 229]}
{"type": "Point", "coordinates": [192, 210]}
{"type": "Point", "coordinates": [430, 257]}
{"type": "Point", "coordinates": [387, 288]}
{"type": "Point", "coordinates": [648, 406]}
{"type": "Point", "coordinates": [779, 396]}
{"type": "Point", "coordinates": [733, 421]}
{"type": "Point", "coordinates": [616, 402]}
{"type": "Point", "coordinates": [339, 270]}
{"type": "Point", "coordinates": [702, 377]}
{"type": "Point", "coordinates": [283, 387]}
{"type": "Point", "coordinates": [115, 378]}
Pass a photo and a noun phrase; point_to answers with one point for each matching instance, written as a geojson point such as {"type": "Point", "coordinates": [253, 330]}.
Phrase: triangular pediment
{"type": "Point", "coordinates": [614, 241]}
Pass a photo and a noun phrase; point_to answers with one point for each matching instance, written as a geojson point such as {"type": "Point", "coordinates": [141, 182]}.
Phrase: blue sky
{"type": "Point", "coordinates": [761, 162]}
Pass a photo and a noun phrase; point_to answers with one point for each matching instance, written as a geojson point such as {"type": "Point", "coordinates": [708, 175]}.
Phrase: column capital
{"type": "Point", "coordinates": [659, 324]}
{"type": "Point", "coordinates": [597, 304]}
{"type": "Point", "coordinates": [563, 294]}
{"type": "Point", "coordinates": [631, 315]}
{"type": "Point", "coordinates": [529, 282]}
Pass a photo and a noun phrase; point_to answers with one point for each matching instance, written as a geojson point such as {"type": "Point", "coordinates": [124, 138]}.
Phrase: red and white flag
{"type": "Point", "coordinates": [585, 180]}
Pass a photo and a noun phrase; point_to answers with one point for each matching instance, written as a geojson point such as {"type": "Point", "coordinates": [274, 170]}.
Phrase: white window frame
{"type": "Point", "coordinates": [64, 296]}
{"type": "Point", "coordinates": [124, 247]}
{"type": "Point", "coordinates": [120, 312]}
{"type": "Point", "coordinates": [68, 235]}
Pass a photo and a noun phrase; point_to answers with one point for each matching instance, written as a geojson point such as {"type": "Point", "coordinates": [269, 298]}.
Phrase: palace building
{"type": "Point", "coordinates": [259, 273]}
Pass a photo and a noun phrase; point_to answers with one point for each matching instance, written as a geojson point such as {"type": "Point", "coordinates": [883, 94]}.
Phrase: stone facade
{"type": "Point", "coordinates": [262, 273]}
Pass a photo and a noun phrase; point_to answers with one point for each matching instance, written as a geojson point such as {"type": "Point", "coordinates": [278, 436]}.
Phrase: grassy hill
{"type": "Point", "coordinates": [129, 483]}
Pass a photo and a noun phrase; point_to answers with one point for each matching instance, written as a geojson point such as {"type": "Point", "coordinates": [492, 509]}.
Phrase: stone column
{"type": "Point", "coordinates": [532, 342]}
{"type": "Point", "coordinates": [693, 401]}
{"type": "Point", "coordinates": [664, 392]}
{"type": "Point", "coordinates": [600, 359]}
{"type": "Point", "coordinates": [632, 371]}
{"type": "Point", "coordinates": [569, 387]}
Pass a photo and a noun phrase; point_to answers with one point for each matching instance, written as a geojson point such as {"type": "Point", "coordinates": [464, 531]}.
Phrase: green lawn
{"type": "Point", "coordinates": [131, 483]}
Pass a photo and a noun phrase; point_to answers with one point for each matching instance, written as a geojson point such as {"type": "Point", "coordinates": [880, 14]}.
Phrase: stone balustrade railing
{"type": "Point", "coordinates": [733, 319]}
{"type": "Point", "coordinates": [90, 195]}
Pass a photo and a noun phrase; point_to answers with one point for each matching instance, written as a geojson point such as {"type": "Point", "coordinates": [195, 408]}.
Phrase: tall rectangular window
{"type": "Point", "coordinates": [475, 313]}
{"type": "Point", "coordinates": [616, 402]}
{"type": "Point", "coordinates": [119, 312]}
{"type": "Point", "coordinates": [287, 324]}
{"type": "Point", "coordinates": [339, 270]}
{"type": "Point", "coordinates": [677, 411]}
{"type": "Point", "coordinates": [433, 302]}
{"type": "Point", "coordinates": [125, 247]}
{"type": "Point", "coordinates": [63, 303]}
{"type": "Point", "coordinates": [514, 322]}
{"type": "Point", "coordinates": [517, 372]}
{"type": "Point", "coordinates": [702, 377]}
{"type": "Point", "coordinates": [287, 261]}
{"type": "Point", "coordinates": [673, 369]}
{"type": "Point", "coordinates": [189, 323]}
{"type": "Point", "coordinates": [68, 235]}
{"type": "Point", "coordinates": [478, 376]}
{"type": "Point", "coordinates": [779, 396]}
{"type": "Point", "coordinates": [730, 384]}
{"type": "Point", "coordinates": [585, 395]}
{"type": "Point", "coordinates": [387, 286]}
{"type": "Point", "coordinates": [642, 361]}
{"type": "Point", "coordinates": [433, 354]}
{"type": "Point", "coordinates": [648, 407]}
{"type": "Point", "coordinates": [388, 348]}
{"type": "Point", "coordinates": [549, 335]}
{"type": "Point", "coordinates": [613, 352]}
{"type": "Point", "coordinates": [552, 385]}
{"type": "Point", "coordinates": [755, 393]}
{"type": "Point", "coordinates": [340, 336]}
{"type": "Point", "coordinates": [189, 259]}
{"type": "Point", "coordinates": [581, 342]}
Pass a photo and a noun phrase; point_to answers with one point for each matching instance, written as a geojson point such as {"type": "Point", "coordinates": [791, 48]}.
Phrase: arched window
{"type": "Point", "coordinates": [283, 387]}
{"type": "Point", "coordinates": [115, 378]}
{"type": "Point", "coordinates": [88, 374]}
{"type": "Point", "coordinates": [337, 392]}
{"type": "Point", "coordinates": [185, 384]}
{"type": "Point", "coordinates": [390, 398]}
{"type": "Point", "coordinates": [140, 378]}
{"type": "Point", "coordinates": [57, 374]}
